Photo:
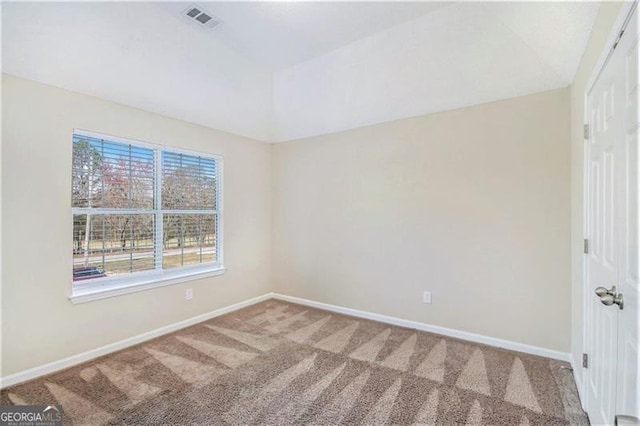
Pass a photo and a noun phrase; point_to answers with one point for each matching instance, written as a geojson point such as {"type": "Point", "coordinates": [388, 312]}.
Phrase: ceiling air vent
{"type": "Point", "coordinates": [198, 16]}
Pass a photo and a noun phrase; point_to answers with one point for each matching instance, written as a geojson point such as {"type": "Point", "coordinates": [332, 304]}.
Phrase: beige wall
{"type": "Point", "coordinates": [471, 204]}
{"type": "Point", "coordinates": [603, 26]}
{"type": "Point", "coordinates": [40, 324]}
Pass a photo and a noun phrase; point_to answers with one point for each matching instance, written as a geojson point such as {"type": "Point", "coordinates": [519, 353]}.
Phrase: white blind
{"type": "Point", "coordinates": [189, 197]}
{"type": "Point", "coordinates": [188, 182]}
{"type": "Point", "coordinates": [117, 219]}
{"type": "Point", "coordinates": [189, 239]}
{"type": "Point", "coordinates": [113, 175]}
{"type": "Point", "coordinates": [112, 244]}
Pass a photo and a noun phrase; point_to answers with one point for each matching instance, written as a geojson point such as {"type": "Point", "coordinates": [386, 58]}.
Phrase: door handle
{"type": "Point", "coordinates": [609, 300]}
{"type": "Point", "coordinates": [626, 421]}
{"type": "Point", "coordinates": [601, 291]}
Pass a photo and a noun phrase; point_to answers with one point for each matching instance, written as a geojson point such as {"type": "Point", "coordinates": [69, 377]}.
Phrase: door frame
{"type": "Point", "coordinates": [623, 15]}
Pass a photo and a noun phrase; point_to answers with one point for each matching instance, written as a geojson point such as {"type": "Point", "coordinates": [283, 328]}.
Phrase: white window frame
{"type": "Point", "coordinates": [100, 288]}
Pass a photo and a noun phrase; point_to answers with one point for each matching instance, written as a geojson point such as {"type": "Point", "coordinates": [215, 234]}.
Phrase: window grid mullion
{"type": "Point", "coordinates": [104, 233]}
{"type": "Point", "coordinates": [157, 204]}
{"type": "Point", "coordinates": [91, 210]}
{"type": "Point", "coordinates": [193, 212]}
{"type": "Point", "coordinates": [131, 244]}
{"type": "Point", "coordinates": [181, 240]}
{"type": "Point", "coordinates": [102, 175]}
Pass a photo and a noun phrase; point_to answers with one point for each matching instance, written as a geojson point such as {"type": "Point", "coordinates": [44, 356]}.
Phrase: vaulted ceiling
{"type": "Point", "coordinates": [280, 34]}
{"type": "Point", "coordinates": [284, 70]}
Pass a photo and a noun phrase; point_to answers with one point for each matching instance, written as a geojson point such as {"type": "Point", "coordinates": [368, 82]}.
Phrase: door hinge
{"type": "Point", "coordinates": [586, 131]}
{"type": "Point", "coordinates": [585, 361]}
{"type": "Point", "coordinates": [586, 246]}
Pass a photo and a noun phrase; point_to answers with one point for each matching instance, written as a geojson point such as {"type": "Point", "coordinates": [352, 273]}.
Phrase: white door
{"type": "Point", "coordinates": [602, 321]}
{"type": "Point", "coordinates": [612, 228]}
{"type": "Point", "coordinates": [628, 386]}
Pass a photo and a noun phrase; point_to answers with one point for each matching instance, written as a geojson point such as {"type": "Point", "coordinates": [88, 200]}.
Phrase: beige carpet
{"type": "Point", "coordinates": [280, 363]}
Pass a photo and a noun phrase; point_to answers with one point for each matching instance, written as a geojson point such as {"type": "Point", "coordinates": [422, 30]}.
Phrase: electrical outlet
{"type": "Point", "coordinates": [189, 294]}
{"type": "Point", "coordinates": [426, 297]}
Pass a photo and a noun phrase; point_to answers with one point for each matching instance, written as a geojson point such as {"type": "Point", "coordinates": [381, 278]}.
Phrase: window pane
{"type": "Point", "coordinates": [107, 245]}
{"type": "Point", "coordinates": [111, 175]}
{"type": "Point", "coordinates": [189, 239]}
{"type": "Point", "coordinates": [188, 182]}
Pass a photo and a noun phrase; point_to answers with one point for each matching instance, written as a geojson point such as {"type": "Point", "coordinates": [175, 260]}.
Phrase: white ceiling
{"type": "Point", "coordinates": [459, 55]}
{"type": "Point", "coordinates": [283, 70]}
{"type": "Point", "coordinates": [139, 55]}
{"type": "Point", "coordinates": [281, 34]}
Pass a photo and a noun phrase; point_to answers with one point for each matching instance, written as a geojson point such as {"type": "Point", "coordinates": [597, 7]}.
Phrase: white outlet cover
{"type": "Point", "coordinates": [426, 297]}
{"type": "Point", "coordinates": [189, 294]}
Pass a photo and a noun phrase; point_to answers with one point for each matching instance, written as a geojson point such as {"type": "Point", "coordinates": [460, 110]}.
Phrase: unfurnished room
{"type": "Point", "coordinates": [319, 213]}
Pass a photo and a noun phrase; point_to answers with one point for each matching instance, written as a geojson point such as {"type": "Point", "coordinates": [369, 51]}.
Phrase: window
{"type": "Point", "coordinates": [142, 214]}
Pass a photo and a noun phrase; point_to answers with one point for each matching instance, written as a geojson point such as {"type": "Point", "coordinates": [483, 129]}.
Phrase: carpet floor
{"type": "Point", "coordinates": [279, 363]}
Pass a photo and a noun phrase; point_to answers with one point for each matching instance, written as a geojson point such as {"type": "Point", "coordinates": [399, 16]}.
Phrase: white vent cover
{"type": "Point", "coordinates": [200, 17]}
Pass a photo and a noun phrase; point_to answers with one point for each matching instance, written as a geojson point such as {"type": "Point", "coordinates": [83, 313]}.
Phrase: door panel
{"type": "Point", "coordinates": [613, 216]}
{"type": "Point", "coordinates": [633, 231]}
{"type": "Point", "coordinates": [602, 260]}
{"type": "Point", "coordinates": [628, 389]}
{"type": "Point", "coordinates": [608, 219]}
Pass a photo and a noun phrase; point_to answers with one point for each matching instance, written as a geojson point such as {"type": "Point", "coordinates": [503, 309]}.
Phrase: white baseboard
{"type": "Point", "coordinates": [54, 366]}
{"type": "Point", "coordinates": [464, 335]}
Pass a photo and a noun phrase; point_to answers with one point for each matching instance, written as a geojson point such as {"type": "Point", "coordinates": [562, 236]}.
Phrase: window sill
{"type": "Point", "coordinates": [140, 284]}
